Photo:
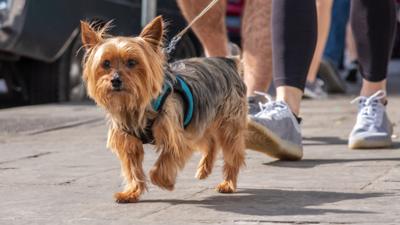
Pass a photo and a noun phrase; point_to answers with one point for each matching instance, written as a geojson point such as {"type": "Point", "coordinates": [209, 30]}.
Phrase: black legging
{"type": "Point", "coordinates": [294, 36]}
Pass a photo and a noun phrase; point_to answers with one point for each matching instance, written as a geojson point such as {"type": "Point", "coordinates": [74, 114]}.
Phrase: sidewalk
{"type": "Point", "coordinates": [55, 169]}
{"type": "Point", "coordinates": [65, 175]}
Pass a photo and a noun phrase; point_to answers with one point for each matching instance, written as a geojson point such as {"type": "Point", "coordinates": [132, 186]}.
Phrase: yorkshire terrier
{"type": "Point", "coordinates": [193, 104]}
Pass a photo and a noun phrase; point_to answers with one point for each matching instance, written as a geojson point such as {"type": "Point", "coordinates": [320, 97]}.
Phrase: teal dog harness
{"type": "Point", "coordinates": [183, 89]}
{"type": "Point", "coordinates": [179, 86]}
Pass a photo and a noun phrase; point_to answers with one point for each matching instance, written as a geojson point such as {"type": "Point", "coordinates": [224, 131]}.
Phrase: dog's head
{"type": "Point", "coordinates": [123, 73]}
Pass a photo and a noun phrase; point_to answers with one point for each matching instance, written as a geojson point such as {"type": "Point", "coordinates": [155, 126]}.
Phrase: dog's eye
{"type": "Point", "coordinates": [131, 63]}
{"type": "Point", "coordinates": [106, 64]}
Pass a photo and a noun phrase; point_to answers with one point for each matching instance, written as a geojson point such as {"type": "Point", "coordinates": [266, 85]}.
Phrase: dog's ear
{"type": "Point", "coordinates": [89, 36]}
{"type": "Point", "coordinates": [153, 32]}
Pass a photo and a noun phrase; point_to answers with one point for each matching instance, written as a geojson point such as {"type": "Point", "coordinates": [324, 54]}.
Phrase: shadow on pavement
{"type": "Point", "coordinates": [310, 163]}
{"type": "Point", "coordinates": [274, 202]}
{"type": "Point", "coordinates": [324, 141]}
{"type": "Point", "coordinates": [396, 145]}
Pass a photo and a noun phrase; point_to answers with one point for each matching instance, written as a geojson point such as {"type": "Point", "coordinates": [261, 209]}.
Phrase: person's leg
{"type": "Point", "coordinates": [210, 29]}
{"type": "Point", "coordinates": [294, 36]}
{"type": "Point", "coordinates": [324, 9]}
{"type": "Point", "coordinates": [334, 48]}
{"type": "Point", "coordinates": [351, 56]}
{"type": "Point", "coordinates": [350, 44]}
{"type": "Point", "coordinates": [256, 43]}
{"type": "Point", "coordinates": [373, 23]}
{"type": "Point", "coordinates": [314, 88]}
{"type": "Point", "coordinates": [335, 44]}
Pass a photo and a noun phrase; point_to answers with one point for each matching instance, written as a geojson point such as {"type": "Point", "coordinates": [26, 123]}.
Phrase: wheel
{"type": "Point", "coordinates": [12, 86]}
{"type": "Point", "coordinates": [41, 80]}
{"type": "Point", "coordinates": [71, 83]}
{"type": "Point", "coordinates": [55, 82]}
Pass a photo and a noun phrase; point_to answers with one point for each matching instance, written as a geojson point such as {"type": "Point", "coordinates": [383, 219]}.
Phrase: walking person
{"type": "Point", "coordinates": [294, 38]}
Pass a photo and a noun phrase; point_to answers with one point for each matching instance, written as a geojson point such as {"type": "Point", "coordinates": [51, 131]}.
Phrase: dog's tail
{"type": "Point", "coordinates": [235, 53]}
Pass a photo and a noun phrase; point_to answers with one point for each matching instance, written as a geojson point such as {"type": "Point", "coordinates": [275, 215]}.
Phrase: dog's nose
{"type": "Point", "coordinates": [116, 81]}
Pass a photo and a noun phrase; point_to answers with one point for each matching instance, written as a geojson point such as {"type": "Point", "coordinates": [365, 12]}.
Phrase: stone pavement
{"type": "Point", "coordinates": [55, 169]}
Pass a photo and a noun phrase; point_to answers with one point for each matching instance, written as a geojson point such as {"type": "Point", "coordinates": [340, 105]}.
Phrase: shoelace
{"type": "Point", "coordinates": [370, 112]}
{"type": "Point", "coordinates": [271, 107]}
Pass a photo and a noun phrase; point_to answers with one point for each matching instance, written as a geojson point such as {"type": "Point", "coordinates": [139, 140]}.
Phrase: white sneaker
{"type": "Point", "coordinates": [278, 131]}
{"type": "Point", "coordinates": [373, 128]}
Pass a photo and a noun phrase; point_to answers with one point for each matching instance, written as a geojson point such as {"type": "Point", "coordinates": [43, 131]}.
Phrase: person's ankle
{"type": "Point", "coordinates": [291, 96]}
{"type": "Point", "coordinates": [369, 88]}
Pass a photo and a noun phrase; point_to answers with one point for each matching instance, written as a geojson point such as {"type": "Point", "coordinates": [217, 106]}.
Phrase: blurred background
{"type": "Point", "coordinates": [40, 57]}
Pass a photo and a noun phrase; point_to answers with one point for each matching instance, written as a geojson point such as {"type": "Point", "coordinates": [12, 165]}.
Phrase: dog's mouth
{"type": "Point", "coordinates": [117, 89]}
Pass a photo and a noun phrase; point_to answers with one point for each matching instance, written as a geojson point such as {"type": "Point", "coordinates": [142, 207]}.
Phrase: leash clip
{"type": "Point", "coordinates": [172, 44]}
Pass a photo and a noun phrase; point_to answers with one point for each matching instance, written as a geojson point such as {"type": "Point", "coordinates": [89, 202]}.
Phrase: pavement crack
{"type": "Point", "coordinates": [376, 178]}
{"type": "Point", "coordinates": [67, 182]}
{"type": "Point", "coordinates": [37, 155]}
{"type": "Point", "coordinates": [28, 157]}
{"type": "Point", "coordinates": [8, 168]}
{"type": "Point", "coordinates": [64, 126]}
{"type": "Point", "coordinates": [71, 181]}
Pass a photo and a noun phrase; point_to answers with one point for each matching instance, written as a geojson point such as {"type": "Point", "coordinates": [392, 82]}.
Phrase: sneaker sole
{"type": "Point", "coordinates": [261, 139]}
{"type": "Point", "coordinates": [368, 144]}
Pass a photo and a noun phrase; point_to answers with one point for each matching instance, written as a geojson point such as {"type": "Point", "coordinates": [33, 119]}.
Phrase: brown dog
{"type": "Point", "coordinates": [128, 76]}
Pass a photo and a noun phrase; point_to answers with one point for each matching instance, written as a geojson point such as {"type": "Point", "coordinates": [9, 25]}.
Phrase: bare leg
{"type": "Point", "coordinates": [350, 44]}
{"type": "Point", "coordinates": [324, 10]}
{"type": "Point", "coordinates": [291, 95]}
{"type": "Point", "coordinates": [369, 88]}
{"type": "Point", "coordinates": [210, 29]}
{"type": "Point", "coordinates": [256, 42]}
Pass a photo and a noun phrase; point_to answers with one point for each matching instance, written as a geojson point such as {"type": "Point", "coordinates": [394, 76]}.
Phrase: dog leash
{"type": "Point", "coordinates": [175, 40]}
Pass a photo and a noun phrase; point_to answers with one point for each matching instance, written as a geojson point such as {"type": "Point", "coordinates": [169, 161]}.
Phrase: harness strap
{"type": "Point", "coordinates": [182, 88]}
{"type": "Point", "coordinates": [159, 101]}
{"type": "Point", "coordinates": [186, 93]}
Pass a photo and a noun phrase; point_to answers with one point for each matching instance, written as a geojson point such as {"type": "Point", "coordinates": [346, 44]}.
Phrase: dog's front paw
{"type": "Point", "coordinates": [225, 187]}
{"type": "Point", "coordinates": [161, 179]}
{"type": "Point", "coordinates": [126, 197]}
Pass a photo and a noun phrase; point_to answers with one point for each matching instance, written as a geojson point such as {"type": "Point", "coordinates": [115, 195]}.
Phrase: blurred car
{"type": "Point", "coordinates": [40, 60]}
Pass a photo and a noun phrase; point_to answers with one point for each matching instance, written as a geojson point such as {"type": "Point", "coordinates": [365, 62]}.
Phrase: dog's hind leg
{"type": "Point", "coordinates": [209, 149]}
{"type": "Point", "coordinates": [232, 141]}
{"type": "Point", "coordinates": [130, 153]}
